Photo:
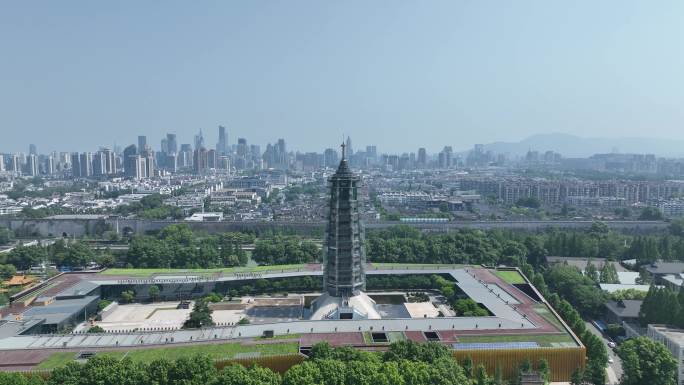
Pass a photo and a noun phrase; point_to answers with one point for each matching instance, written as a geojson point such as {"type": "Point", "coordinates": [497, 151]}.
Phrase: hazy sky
{"type": "Point", "coordinates": [78, 74]}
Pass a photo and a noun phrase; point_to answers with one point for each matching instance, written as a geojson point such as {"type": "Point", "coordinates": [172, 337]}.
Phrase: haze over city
{"type": "Point", "coordinates": [79, 74]}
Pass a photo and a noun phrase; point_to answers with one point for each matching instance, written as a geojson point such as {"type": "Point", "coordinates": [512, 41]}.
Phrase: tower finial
{"type": "Point", "coordinates": [343, 146]}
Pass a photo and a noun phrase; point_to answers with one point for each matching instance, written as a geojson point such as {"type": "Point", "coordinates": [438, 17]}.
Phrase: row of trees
{"type": "Point", "coordinates": [597, 354]}
{"type": "Point", "coordinates": [408, 245]}
{"type": "Point", "coordinates": [6, 235]}
{"type": "Point", "coordinates": [662, 306]}
{"type": "Point", "coordinates": [61, 253]}
{"type": "Point", "coordinates": [283, 250]}
{"type": "Point", "coordinates": [607, 273]}
{"type": "Point", "coordinates": [405, 363]}
{"type": "Point", "coordinates": [177, 246]}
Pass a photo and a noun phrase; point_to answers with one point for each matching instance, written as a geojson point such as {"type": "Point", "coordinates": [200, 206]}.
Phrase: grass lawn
{"type": "Point", "coordinates": [544, 311]}
{"type": "Point", "coordinates": [510, 276]}
{"type": "Point", "coordinates": [426, 266]}
{"type": "Point", "coordinates": [215, 351]}
{"type": "Point", "coordinates": [542, 339]}
{"type": "Point", "coordinates": [225, 270]}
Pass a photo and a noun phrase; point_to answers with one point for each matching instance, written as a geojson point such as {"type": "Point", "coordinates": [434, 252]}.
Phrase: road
{"type": "Point", "coordinates": [614, 370]}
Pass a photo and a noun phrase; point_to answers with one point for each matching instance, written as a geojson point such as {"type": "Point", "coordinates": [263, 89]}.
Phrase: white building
{"type": "Point", "coordinates": [673, 339]}
{"type": "Point", "coordinates": [205, 217]}
{"type": "Point", "coordinates": [672, 208]}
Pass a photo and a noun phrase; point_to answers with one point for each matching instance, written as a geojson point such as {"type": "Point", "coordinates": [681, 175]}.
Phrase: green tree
{"type": "Point", "coordinates": [481, 377]}
{"type": "Point", "coordinates": [609, 273]}
{"type": "Point", "coordinates": [200, 316]}
{"type": "Point", "coordinates": [7, 271]}
{"type": "Point", "coordinates": [306, 373]}
{"type": "Point", "coordinates": [544, 370]}
{"type": "Point", "coordinates": [127, 296]}
{"type": "Point", "coordinates": [645, 361]}
{"type": "Point", "coordinates": [239, 375]}
{"type": "Point", "coordinates": [6, 235]}
{"type": "Point", "coordinates": [154, 292]}
{"type": "Point", "coordinates": [651, 213]}
{"type": "Point", "coordinates": [591, 271]}
{"type": "Point", "coordinates": [577, 377]}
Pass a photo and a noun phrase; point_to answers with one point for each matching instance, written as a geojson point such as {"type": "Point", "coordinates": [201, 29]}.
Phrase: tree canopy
{"type": "Point", "coordinates": [645, 361]}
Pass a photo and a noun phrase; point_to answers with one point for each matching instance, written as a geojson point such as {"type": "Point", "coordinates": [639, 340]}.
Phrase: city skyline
{"type": "Point", "coordinates": [84, 75]}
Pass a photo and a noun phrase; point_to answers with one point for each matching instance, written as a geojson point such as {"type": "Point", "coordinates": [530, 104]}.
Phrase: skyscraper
{"type": "Point", "coordinates": [199, 140]}
{"type": "Point", "coordinates": [109, 160]}
{"type": "Point", "coordinates": [87, 164]}
{"type": "Point", "coordinates": [75, 165]}
{"type": "Point", "coordinates": [242, 147]}
{"type": "Point", "coordinates": [50, 165]}
{"type": "Point", "coordinates": [172, 145]}
{"type": "Point", "coordinates": [99, 164]}
{"type": "Point", "coordinates": [15, 163]}
{"type": "Point", "coordinates": [422, 157]}
{"type": "Point", "coordinates": [349, 149]}
{"type": "Point", "coordinates": [148, 155]}
{"type": "Point", "coordinates": [142, 143]}
{"type": "Point", "coordinates": [129, 161]}
{"type": "Point", "coordinates": [33, 150]}
{"type": "Point", "coordinates": [330, 157]}
{"type": "Point", "coordinates": [222, 145]}
{"type": "Point", "coordinates": [32, 165]}
{"type": "Point", "coordinates": [211, 159]}
{"type": "Point", "coordinates": [200, 160]}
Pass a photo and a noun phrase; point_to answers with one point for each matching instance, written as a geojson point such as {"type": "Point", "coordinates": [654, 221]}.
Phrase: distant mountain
{"type": "Point", "coordinates": [574, 146]}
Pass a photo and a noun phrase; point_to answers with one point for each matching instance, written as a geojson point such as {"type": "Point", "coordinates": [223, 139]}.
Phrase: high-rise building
{"type": "Point", "coordinates": [148, 155]}
{"type": "Point", "coordinates": [200, 160]}
{"type": "Point", "coordinates": [422, 157]}
{"type": "Point", "coordinates": [185, 156]}
{"type": "Point", "coordinates": [199, 140]}
{"type": "Point", "coordinates": [15, 163]}
{"type": "Point", "coordinates": [99, 164]}
{"type": "Point", "coordinates": [222, 144]}
{"type": "Point", "coordinates": [242, 147]}
{"type": "Point", "coordinates": [75, 165]}
{"type": "Point", "coordinates": [349, 149]}
{"type": "Point", "coordinates": [86, 160]}
{"type": "Point", "coordinates": [142, 142]}
{"type": "Point", "coordinates": [33, 150]}
{"type": "Point", "coordinates": [172, 145]}
{"type": "Point", "coordinates": [32, 165]}
{"type": "Point", "coordinates": [129, 161]}
{"type": "Point", "coordinates": [109, 159]}
{"type": "Point", "coordinates": [140, 167]}
{"type": "Point", "coordinates": [224, 163]}
{"type": "Point", "coordinates": [211, 158]}
{"type": "Point", "coordinates": [50, 165]}
{"type": "Point", "coordinates": [2, 162]}
{"type": "Point", "coordinates": [330, 157]}
{"type": "Point", "coordinates": [164, 146]}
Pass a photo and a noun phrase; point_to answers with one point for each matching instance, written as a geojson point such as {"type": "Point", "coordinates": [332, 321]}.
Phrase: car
{"type": "Point", "coordinates": [610, 360]}
{"type": "Point", "coordinates": [611, 344]}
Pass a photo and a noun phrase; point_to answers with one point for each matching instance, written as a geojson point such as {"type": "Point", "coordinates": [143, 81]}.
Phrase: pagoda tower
{"type": "Point", "coordinates": [344, 278]}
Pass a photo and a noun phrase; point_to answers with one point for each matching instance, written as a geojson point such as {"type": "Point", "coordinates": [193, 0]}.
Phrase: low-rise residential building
{"type": "Point", "coordinates": [623, 311]}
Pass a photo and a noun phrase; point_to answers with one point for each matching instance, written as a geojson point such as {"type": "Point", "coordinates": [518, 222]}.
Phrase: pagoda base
{"type": "Point", "coordinates": [360, 306]}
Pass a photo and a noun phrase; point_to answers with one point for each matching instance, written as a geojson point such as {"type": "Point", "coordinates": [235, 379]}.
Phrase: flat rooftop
{"type": "Point", "coordinates": [516, 318]}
